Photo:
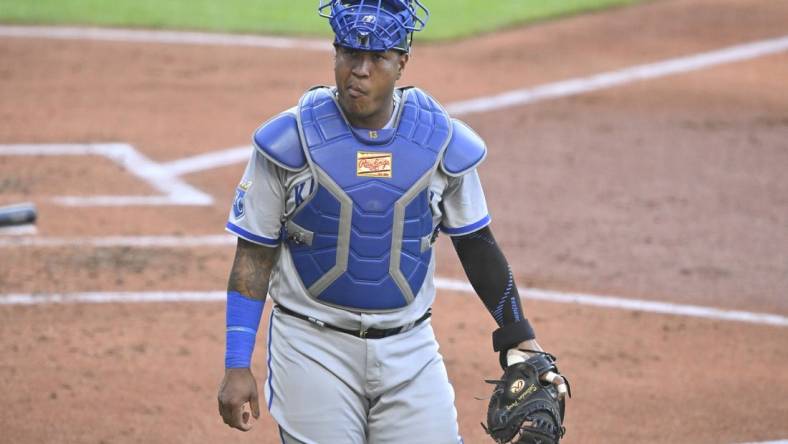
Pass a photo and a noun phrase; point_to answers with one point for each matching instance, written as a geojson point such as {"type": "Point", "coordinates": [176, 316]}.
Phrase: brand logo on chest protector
{"type": "Point", "coordinates": [369, 164]}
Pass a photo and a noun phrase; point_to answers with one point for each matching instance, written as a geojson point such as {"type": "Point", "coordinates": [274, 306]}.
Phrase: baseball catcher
{"type": "Point", "coordinates": [527, 407]}
{"type": "Point", "coordinates": [336, 216]}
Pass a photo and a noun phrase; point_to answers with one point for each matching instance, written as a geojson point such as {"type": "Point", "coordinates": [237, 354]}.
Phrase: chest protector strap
{"type": "Point", "coordinates": [360, 241]}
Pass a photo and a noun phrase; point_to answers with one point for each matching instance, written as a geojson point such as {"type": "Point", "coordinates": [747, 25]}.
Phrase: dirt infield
{"type": "Point", "coordinates": [671, 189]}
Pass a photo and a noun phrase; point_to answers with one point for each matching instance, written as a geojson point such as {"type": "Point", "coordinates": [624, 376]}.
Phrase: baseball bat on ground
{"type": "Point", "coordinates": [19, 214]}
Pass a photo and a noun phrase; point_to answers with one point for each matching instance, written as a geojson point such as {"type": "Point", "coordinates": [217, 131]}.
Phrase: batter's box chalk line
{"type": "Point", "coordinates": [609, 302]}
{"type": "Point", "coordinates": [166, 180]}
{"type": "Point", "coordinates": [163, 36]}
{"type": "Point", "coordinates": [780, 441]}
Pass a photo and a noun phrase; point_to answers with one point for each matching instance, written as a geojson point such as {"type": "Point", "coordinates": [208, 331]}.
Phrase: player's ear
{"type": "Point", "coordinates": [336, 53]}
{"type": "Point", "coordinates": [403, 60]}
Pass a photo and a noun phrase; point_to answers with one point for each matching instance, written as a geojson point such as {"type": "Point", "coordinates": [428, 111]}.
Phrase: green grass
{"type": "Point", "coordinates": [450, 18]}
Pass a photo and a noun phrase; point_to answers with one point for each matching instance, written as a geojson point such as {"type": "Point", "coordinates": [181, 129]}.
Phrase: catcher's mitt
{"type": "Point", "coordinates": [525, 409]}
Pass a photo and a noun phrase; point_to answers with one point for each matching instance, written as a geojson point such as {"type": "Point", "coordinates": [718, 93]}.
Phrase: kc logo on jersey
{"type": "Point", "coordinates": [370, 164]}
{"type": "Point", "coordinates": [301, 191]}
{"type": "Point", "coordinates": [239, 209]}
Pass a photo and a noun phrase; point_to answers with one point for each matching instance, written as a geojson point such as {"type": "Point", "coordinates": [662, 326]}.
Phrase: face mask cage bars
{"type": "Point", "coordinates": [355, 17]}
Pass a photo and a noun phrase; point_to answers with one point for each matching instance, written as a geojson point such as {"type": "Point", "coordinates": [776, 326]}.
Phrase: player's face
{"type": "Point", "coordinates": [365, 83]}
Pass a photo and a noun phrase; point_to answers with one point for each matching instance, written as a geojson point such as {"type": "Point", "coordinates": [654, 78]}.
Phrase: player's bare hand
{"type": "Point", "coordinates": [521, 354]}
{"type": "Point", "coordinates": [237, 389]}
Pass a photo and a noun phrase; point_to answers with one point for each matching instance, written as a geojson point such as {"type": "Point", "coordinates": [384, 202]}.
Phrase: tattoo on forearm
{"type": "Point", "coordinates": [251, 270]}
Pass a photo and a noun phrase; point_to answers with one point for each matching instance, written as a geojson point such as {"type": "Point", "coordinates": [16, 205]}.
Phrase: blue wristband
{"type": "Point", "coordinates": [243, 318]}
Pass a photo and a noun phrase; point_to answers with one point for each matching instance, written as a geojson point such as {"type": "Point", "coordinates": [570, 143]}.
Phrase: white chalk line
{"type": "Point", "coordinates": [696, 311]}
{"type": "Point", "coordinates": [781, 441]}
{"type": "Point", "coordinates": [167, 37]}
{"type": "Point", "coordinates": [207, 161]}
{"type": "Point", "coordinates": [620, 77]}
{"type": "Point", "coordinates": [611, 302]}
{"type": "Point", "coordinates": [18, 230]}
{"type": "Point", "coordinates": [111, 297]}
{"type": "Point", "coordinates": [175, 190]}
{"type": "Point", "coordinates": [120, 241]}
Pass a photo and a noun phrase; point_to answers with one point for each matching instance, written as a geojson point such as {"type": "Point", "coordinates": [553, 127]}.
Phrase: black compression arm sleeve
{"type": "Point", "coordinates": [489, 274]}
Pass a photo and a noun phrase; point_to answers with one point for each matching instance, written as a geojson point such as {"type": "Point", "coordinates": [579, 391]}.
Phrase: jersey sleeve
{"type": "Point", "coordinates": [464, 206]}
{"type": "Point", "coordinates": [258, 204]}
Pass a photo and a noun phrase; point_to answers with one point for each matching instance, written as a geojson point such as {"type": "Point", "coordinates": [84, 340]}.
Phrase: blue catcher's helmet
{"type": "Point", "coordinates": [374, 25]}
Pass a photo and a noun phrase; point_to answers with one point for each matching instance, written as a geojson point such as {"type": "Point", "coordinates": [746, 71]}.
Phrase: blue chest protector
{"type": "Point", "coordinates": [362, 239]}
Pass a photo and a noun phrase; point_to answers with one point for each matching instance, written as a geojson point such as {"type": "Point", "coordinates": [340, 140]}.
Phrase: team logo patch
{"type": "Point", "coordinates": [301, 191]}
{"type": "Point", "coordinates": [239, 208]}
{"type": "Point", "coordinates": [370, 164]}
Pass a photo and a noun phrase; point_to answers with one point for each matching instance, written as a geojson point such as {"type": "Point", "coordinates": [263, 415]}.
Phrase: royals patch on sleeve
{"type": "Point", "coordinates": [370, 164]}
{"type": "Point", "coordinates": [239, 209]}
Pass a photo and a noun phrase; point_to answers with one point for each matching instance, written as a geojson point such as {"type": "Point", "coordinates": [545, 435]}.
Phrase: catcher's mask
{"type": "Point", "coordinates": [374, 25]}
